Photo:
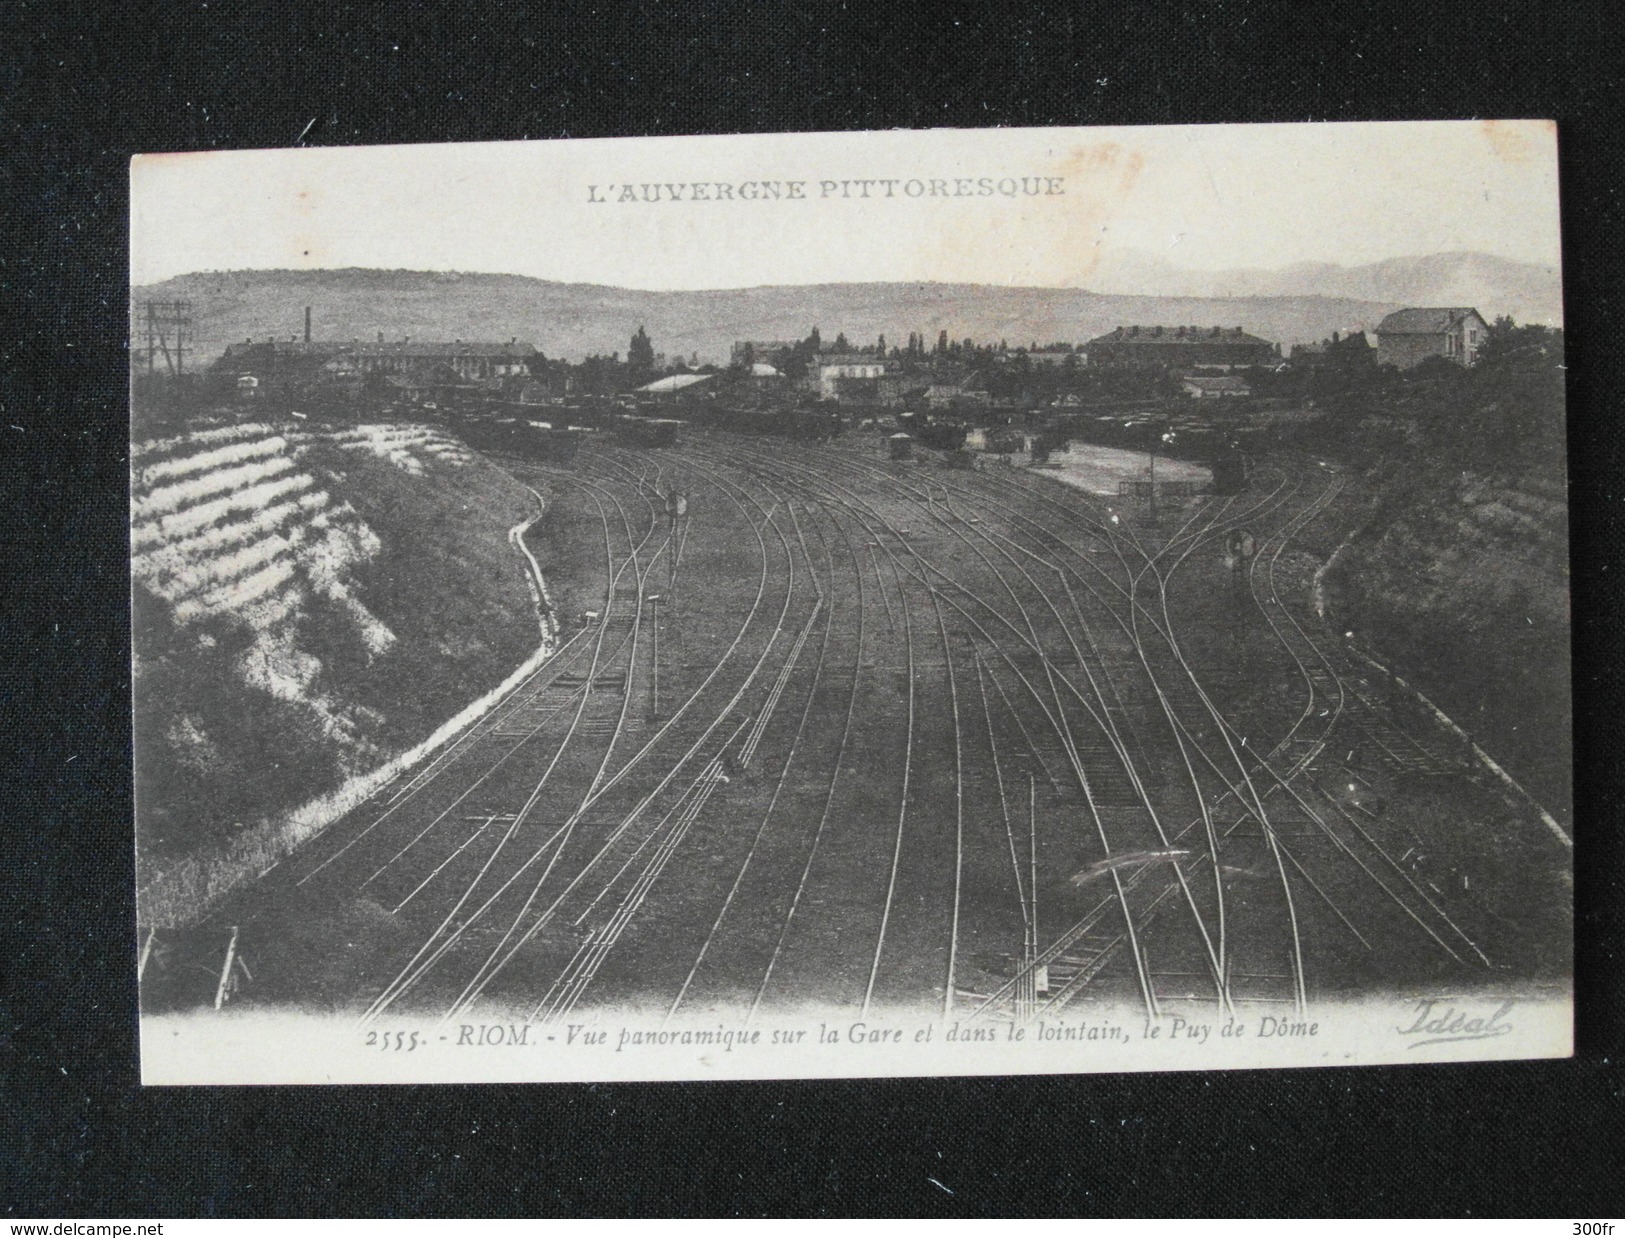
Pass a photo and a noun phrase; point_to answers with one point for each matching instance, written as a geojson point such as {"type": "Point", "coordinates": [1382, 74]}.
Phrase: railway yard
{"type": "Point", "coordinates": [842, 733]}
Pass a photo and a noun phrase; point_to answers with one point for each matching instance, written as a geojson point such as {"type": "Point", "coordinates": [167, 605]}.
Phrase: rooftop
{"type": "Point", "coordinates": [385, 348]}
{"type": "Point", "coordinates": [440, 348]}
{"type": "Point", "coordinates": [288, 348]}
{"type": "Point", "coordinates": [1434, 320]}
{"type": "Point", "coordinates": [1158, 335]}
{"type": "Point", "coordinates": [673, 382]}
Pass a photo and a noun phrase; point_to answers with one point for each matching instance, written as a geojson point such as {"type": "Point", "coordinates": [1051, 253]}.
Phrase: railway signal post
{"type": "Point", "coordinates": [1167, 437]}
{"type": "Point", "coordinates": [1240, 548]}
{"type": "Point", "coordinates": [654, 600]}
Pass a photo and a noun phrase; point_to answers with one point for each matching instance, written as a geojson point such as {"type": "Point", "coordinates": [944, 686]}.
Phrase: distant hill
{"type": "Point", "coordinates": [1496, 286]}
{"type": "Point", "coordinates": [572, 320]}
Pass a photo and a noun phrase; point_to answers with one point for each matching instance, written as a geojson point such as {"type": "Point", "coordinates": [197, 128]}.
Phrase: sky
{"type": "Point", "coordinates": [1012, 207]}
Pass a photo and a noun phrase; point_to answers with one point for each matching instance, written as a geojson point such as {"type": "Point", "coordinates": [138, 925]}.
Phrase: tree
{"type": "Point", "coordinates": [1506, 339]}
{"type": "Point", "coordinates": [815, 343]}
{"type": "Point", "coordinates": [793, 364]}
{"type": "Point", "coordinates": [942, 341]}
{"type": "Point", "coordinates": [841, 345]}
{"type": "Point", "coordinates": [640, 354]}
{"type": "Point", "coordinates": [880, 349]}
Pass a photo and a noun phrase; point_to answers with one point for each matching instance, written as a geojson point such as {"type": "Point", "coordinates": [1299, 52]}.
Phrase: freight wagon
{"type": "Point", "coordinates": [648, 431]}
{"type": "Point", "coordinates": [801, 424]}
{"type": "Point", "coordinates": [520, 436]}
{"type": "Point", "coordinates": [936, 434]}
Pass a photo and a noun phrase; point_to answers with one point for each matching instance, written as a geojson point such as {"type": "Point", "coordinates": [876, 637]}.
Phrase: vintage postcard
{"type": "Point", "coordinates": [906, 603]}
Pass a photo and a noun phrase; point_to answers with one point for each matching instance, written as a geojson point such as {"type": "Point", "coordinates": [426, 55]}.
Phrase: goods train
{"type": "Point", "coordinates": [807, 425]}
{"type": "Point", "coordinates": [1006, 442]}
{"type": "Point", "coordinates": [648, 431]}
{"type": "Point", "coordinates": [520, 436]}
{"type": "Point", "coordinates": [940, 435]}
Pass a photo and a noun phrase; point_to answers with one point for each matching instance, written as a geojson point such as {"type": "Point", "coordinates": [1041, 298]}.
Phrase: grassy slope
{"type": "Point", "coordinates": [1462, 573]}
{"type": "Point", "coordinates": [446, 582]}
{"type": "Point", "coordinates": [1469, 579]}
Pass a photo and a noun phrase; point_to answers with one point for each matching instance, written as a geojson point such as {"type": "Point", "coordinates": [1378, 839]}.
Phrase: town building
{"type": "Point", "coordinates": [837, 370]}
{"type": "Point", "coordinates": [278, 358]}
{"type": "Point", "coordinates": [1055, 357]}
{"type": "Point", "coordinates": [1223, 387]}
{"type": "Point", "coordinates": [469, 360]}
{"type": "Point", "coordinates": [967, 391]}
{"type": "Point", "coordinates": [759, 380]}
{"type": "Point", "coordinates": [460, 360]}
{"type": "Point", "coordinates": [1408, 337]}
{"type": "Point", "coordinates": [1179, 348]}
{"type": "Point", "coordinates": [1339, 352]}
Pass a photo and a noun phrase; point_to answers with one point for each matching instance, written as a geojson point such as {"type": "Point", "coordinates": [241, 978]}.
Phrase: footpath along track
{"type": "Point", "coordinates": [572, 689]}
{"type": "Point", "coordinates": [556, 687]}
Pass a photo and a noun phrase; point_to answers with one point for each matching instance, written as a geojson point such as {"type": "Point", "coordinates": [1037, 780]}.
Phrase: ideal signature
{"type": "Point", "coordinates": [1441, 1022]}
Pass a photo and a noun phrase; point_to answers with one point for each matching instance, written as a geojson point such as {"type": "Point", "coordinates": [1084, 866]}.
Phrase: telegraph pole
{"type": "Point", "coordinates": [167, 322]}
{"type": "Point", "coordinates": [1167, 437]}
{"type": "Point", "coordinates": [654, 655]}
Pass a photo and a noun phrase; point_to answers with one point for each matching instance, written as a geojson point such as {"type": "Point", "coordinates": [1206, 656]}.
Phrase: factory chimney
{"type": "Point", "coordinates": [307, 324]}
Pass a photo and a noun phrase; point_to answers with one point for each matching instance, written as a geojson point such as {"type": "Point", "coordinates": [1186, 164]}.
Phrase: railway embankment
{"type": "Point", "coordinates": [1459, 581]}
{"type": "Point", "coordinates": [312, 606]}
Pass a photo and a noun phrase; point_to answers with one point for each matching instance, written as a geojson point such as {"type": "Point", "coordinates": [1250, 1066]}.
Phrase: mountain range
{"type": "Point", "coordinates": [1496, 286]}
{"type": "Point", "coordinates": [1293, 305]}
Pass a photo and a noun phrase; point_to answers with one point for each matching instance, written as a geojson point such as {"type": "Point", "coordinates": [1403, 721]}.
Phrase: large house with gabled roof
{"type": "Point", "coordinates": [1408, 337]}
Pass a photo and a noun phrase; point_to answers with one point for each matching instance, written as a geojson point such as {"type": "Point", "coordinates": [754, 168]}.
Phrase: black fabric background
{"type": "Point", "coordinates": [83, 89]}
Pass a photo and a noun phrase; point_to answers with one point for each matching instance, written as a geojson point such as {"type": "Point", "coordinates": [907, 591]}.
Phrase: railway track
{"type": "Point", "coordinates": [531, 699]}
{"type": "Point", "coordinates": [1220, 968]}
{"type": "Point", "coordinates": [691, 728]}
{"type": "Point", "coordinates": [454, 926]}
{"type": "Point", "coordinates": [1058, 716]}
{"type": "Point", "coordinates": [926, 707]}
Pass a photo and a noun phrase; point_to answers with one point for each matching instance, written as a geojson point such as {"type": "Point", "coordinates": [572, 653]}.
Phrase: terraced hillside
{"type": "Point", "coordinates": [308, 603]}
